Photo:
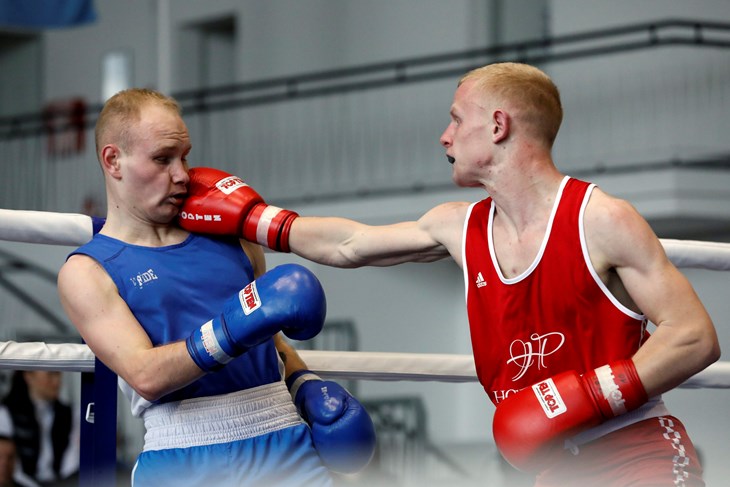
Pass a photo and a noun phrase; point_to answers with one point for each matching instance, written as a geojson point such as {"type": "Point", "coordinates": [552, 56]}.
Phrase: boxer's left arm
{"type": "Point", "coordinates": [288, 355]}
{"type": "Point", "coordinates": [342, 431]}
{"type": "Point", "coordinates": [46, 227]}
{"type": "Point", "coordinates": [630, 259]}
{"type": "Point", "coordinates": [530, 426]}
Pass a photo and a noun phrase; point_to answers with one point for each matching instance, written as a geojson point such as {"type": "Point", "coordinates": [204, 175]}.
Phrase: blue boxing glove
{"type": "Point", "coordinates": [288, 298]}
{"type": "Point", "coordinates": [342, 431]}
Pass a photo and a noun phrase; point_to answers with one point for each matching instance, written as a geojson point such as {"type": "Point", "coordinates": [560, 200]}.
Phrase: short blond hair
{"type": "Point", "coordinates": [122, 111]}
{"type": "Point", "coordinates": [528, 88]}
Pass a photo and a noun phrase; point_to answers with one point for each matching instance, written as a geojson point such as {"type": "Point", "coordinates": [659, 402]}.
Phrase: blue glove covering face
{"type": "Point", "coordinates": [342, 431]}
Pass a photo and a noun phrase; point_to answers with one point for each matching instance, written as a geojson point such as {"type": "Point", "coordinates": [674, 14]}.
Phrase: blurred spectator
{"type": "Point", "coordinates": [44, 429]}
{"type": "Point", "coordinates": [10, 473]}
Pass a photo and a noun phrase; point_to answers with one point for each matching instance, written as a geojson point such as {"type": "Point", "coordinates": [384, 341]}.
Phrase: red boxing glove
{"type": "Point", "coordinates": [531, 425]}
{"type": "Point", "coordinates": [221, 204]}
{"type": "Point", "coordinates": [269, 225]}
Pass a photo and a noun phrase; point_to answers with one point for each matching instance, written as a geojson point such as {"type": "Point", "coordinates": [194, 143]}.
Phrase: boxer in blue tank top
{"type": "Point", "coordinates": [171, 289]}
{"type": "Point", "coordinates": [192, 326]}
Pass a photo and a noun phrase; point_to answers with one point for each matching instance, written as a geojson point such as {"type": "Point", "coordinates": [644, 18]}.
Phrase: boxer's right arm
{"type": "Point", "coordinates": [289, 299]}
{"type": "Point", "coordinates": [92, 302]}
{"type": "Point", "coordinates": [341, 242]}
{"type": "Point", "coordinates": [223, 204]}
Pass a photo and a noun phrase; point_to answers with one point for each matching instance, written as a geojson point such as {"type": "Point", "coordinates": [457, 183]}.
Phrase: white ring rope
{"type": "Point", "coordinates": [694, 253]}
{"type": "Point", "coordinates": [76, 229]}
{"type": "Point", "coordinates": [378, 366]}
{"type": "Point", "coordinates": [65, 357]}
{"type": "Point", "coordinates": [45, 227]}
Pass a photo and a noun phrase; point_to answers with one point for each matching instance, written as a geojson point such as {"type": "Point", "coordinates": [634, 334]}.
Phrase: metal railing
{"type": "Point", "coordinates": [372, 130]}
{"type": "Point", "coordinates": [646, 35]}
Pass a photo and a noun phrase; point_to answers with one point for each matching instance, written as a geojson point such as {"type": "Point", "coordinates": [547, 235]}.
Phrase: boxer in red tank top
{"type": "Point", "coordinates": [561, 280]}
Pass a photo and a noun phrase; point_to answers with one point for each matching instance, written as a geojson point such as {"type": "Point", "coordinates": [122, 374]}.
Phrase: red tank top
{"type": "Point", "coordinates": [556, 316]}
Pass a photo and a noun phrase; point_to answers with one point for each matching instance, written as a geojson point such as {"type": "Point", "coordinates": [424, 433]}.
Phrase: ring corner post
{"type": "Point", "coordinates": [98, 427]}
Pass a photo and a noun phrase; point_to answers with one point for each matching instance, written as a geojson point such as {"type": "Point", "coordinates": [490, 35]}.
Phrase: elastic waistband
{"type": "Point", "coordinates": [653, 408]}
{"type": "Point", "coordinates": [219, 419]}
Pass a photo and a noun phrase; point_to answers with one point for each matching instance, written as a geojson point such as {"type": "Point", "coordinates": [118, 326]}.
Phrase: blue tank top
{"type": "Point", "coordinates": [173, 290]}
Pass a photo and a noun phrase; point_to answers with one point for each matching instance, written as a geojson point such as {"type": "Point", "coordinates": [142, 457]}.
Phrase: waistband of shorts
{"type": "Point", "coordinates": [219, 419]}
{"type": "Point", "coordinates": [655, 407]}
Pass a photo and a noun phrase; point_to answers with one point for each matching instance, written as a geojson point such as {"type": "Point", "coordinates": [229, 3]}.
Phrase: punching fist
{"type": "Point", "coordinates": [288, 298]}
{"type": "Point", "coordinates": [222, 204]}
{"type": "Point", "coordinates": [342, 431]}
{"type": "Point", "coordinates": [531, 425]}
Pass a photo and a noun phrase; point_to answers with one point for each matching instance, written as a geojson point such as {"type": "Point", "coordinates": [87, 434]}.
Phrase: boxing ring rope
{"type": "Point", "coordinates": [99, 388]}
{"type": "Point", "coordinates": [378, 366]}
{"type": "Point", "coordinates": [76, 229]}
{"type": "Point", "coordinates": [697, 254]}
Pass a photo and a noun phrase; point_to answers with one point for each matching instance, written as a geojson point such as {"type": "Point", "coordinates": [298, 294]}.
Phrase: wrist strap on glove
{"type": "Point", "coordinates": [295, 381]}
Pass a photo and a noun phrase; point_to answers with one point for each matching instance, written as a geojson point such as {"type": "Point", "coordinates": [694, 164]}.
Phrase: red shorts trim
{"type": "Point", "coordinates": [652, 452]}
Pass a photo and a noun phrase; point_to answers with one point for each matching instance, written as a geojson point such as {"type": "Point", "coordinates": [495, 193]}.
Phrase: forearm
{"type": "Point", "coordinates": [157, 371]}
{"type": "Point", "coordinates": [292, 361]}
{"type": "Point", "coordinates": [323, 240]}
{"type": "Point", "coordinates": [685, 341]}
{"type": "Point", "coordinates": [673, 354]}
{"type": "Point", "coordinates": [340, 242]}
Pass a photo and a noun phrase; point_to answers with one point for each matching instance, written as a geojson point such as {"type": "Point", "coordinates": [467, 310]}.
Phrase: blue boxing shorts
{"type": "Point", "coordinates": [252, 437]}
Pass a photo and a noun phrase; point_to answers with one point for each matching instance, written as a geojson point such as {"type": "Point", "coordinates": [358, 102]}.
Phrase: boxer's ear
{"type": "Point", "coordinates": [500, 125]}
{"type": "Point", "coordinates": [109, 158]}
